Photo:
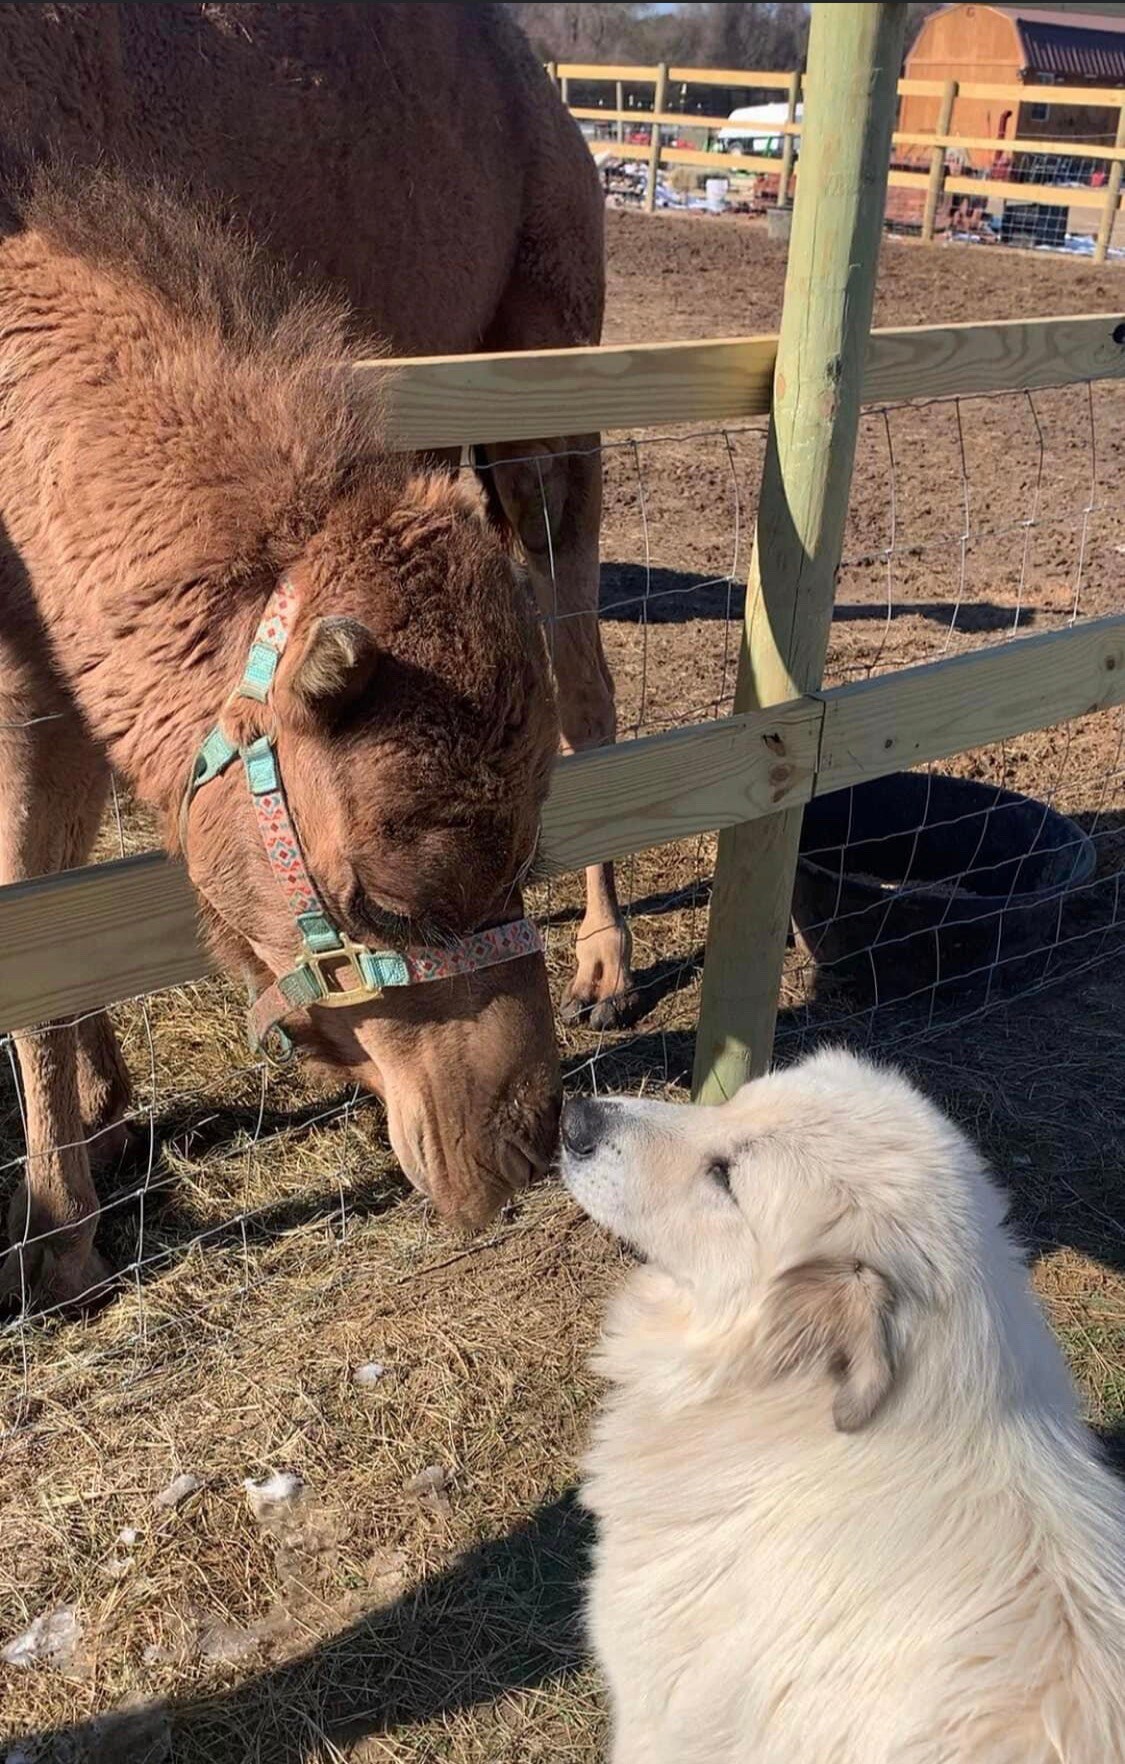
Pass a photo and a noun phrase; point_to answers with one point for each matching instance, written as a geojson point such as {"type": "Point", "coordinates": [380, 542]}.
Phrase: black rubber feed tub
{"type": "Point", "coordinates": [918, 882]}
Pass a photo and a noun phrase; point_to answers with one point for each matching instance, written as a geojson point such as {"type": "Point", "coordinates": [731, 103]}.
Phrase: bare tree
{"type": "Point", "coordinates": [573, 32]}
{"type": "Point", "coordinates": [753, 36]}
{"type": "Point", "coordinates": [741, 35]}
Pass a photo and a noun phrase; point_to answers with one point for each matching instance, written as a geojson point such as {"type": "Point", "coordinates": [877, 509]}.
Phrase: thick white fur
{"type": "Point", "coordinates": [848, 1514]}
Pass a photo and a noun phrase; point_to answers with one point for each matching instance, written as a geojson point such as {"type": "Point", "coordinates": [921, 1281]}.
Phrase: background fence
{"type": "Point", "coordinates": [1019, 188]}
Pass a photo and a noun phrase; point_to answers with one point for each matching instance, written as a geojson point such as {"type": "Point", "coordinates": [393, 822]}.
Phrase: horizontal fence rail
{"type": "Point", "coordinates": [984, 143]}
{"type": "Point", "coordinates": [91, 937]}
{"type": "Point", "coordinates": [1096, 97]}
{"type": "Point", "coordinates": [442, 401]}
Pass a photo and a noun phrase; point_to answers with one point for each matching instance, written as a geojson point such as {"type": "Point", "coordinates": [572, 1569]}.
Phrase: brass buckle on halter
{"type": "Point", "coordinates": [328, 978]}
{"type": "Point", "coordinates": [371, 970]}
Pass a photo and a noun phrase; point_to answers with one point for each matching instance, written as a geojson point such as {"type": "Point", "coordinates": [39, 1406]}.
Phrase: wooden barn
{"type": "Point", "coordinates": [1014, 46]}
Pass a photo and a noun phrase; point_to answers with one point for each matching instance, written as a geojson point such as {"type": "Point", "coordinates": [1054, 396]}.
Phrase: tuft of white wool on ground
{"type": "Point", "coordinates": [267, 1494]}
{"type": "Point", "coordinates": [228, 1644]}
{"type": "Point", "coordinates": [371, 1374]}
{"type": "Point", "coordinates": [177, 1491]}
{"type": "Point", "coordinates": [432, 1487]}
{"type": "Point", "coordinates": [116, 1567]}
{"type": "Point", "coordinates": [52, 1640]}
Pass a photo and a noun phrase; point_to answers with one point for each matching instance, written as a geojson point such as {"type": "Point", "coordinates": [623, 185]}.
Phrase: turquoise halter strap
{"type": "Point", "coordinates": [332, 969]}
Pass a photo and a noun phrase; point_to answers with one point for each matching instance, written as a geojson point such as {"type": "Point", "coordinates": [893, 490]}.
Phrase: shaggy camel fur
{"type": "Point", "coordinates": [180, 431]}
{"type": "Point", "coordinates": [848, 1510]}
{"type": "Point", "coordinates": [418, 159]}
{"type": "Point", "coordinates": [415, 159]}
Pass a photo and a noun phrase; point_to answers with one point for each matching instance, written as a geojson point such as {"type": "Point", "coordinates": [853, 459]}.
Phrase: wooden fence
{"type": "Point", "coordinates": [92, 937]}
{"type": "Point", "coordinates": [931, 182]}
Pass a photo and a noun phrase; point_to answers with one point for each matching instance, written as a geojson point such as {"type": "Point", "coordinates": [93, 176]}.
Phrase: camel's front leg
{"type": "Point", "coordinates": [53, 1214]}
{"type": "Point", "coordinates": [53, 784]}
{"type": "Point", "coordinates": [551, 495]}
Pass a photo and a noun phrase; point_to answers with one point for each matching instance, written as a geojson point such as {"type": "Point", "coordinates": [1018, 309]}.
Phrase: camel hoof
{"type": "Point", "coordinates": [620, 1010]}
{"type": "Point", "coordinates": [34, 1281]}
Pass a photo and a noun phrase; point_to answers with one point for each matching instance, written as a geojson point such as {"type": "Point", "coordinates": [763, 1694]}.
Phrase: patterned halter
{"type": "Point", "coordinates": [332, 968]}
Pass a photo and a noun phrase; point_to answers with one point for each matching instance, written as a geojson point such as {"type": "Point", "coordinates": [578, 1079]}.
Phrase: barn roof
{"type": "Point", "coordinates": [1071, 45]}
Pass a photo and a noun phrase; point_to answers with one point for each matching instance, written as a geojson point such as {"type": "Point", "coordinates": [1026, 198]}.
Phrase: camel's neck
{"type": "Point", "coordinates": [154, 481]}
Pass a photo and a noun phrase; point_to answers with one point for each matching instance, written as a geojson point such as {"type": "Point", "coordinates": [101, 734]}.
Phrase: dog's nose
{"type": "Point", "coordinates": [583, 1122]}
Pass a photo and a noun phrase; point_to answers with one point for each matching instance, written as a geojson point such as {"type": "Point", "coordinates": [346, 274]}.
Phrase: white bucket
{"type": "Point", "coordinates": [716, 194]}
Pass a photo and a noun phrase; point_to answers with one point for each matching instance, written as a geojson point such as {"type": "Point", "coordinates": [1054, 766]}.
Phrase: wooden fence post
{"type": "Point", "coordinates": [654, 145]}
{"type": "Point", "coordinates": [937, 162]}
{"type": "Point", "coordinates": [1112, 194]}
{"type": "Point", "coordinates": [788, 143]}
{"type": "Point", "coordinates": [620, 108]}
{"type": "Point", "coordinates": [855, 52]}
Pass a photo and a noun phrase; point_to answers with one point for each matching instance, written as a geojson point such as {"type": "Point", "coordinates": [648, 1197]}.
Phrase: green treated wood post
{"type": "Point", "coordinates": [854, 56]}
{"type": "Point", "coordinates": [654, 146]}
{"type": "Point", "coordinates": [937, 162]}
{"type": "Point", "coordinates": [1112, 193]}
{"type": "Point", "coordinates": [788, 143]}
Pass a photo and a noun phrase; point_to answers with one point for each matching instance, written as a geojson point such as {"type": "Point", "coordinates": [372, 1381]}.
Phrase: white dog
{"type": "Point", "coordinates": [848, 1512]}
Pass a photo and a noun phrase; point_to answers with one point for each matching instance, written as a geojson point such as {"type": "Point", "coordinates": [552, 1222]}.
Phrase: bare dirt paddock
{"type": "Point", "coordinates": [419, 1601]}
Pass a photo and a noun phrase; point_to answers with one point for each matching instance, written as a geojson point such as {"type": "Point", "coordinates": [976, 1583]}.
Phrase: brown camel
{"type": "Point", "coordinates": [179, 439]}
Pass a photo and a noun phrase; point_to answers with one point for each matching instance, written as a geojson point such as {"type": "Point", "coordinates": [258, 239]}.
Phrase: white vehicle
{"type": "Point", "coordinates": [756, 128]}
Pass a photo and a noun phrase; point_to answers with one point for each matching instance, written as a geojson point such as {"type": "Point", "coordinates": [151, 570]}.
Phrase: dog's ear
{"type": "Point", "coordinates": [835, 1314]}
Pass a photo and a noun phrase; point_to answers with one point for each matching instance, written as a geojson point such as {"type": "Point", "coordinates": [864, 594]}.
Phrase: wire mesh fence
{"type": "Point", "coordinates": [983, 203]}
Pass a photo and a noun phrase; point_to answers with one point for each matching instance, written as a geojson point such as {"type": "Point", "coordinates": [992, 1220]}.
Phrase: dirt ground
{"type": "Point", "coordinates": [420, 1600]}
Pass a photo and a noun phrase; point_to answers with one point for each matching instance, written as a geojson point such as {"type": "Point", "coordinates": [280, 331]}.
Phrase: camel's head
{"type": "Point", "coordinates": [409, 720]}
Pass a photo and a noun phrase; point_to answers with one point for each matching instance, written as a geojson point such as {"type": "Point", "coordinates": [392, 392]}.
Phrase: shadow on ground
{"type": "Point", "coordinates": [631, 593]}
{"type": "Point", "coordinates": [504, 1617]}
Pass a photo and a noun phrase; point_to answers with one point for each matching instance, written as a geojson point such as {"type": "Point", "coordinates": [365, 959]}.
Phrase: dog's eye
{"type": "Point", "coordinates": [718, 1172]}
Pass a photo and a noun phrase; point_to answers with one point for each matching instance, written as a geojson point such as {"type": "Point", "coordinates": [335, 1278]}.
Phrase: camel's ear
{"type": "Point", "coordinates": [335, 667]}
{"type": "Point", "coordinates": [836, 1315]}
{"type": "Point", "coordinates": [442, 492]}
